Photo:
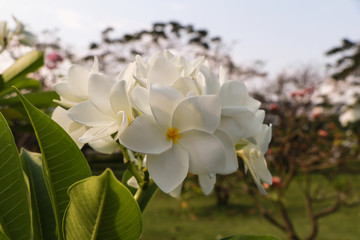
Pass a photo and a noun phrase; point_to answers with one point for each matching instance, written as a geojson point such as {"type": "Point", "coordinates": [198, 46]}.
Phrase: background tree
{"type": "Point", "coordinates": [348, 61]}
{"type": "Point", "coordinates": [115, 52]}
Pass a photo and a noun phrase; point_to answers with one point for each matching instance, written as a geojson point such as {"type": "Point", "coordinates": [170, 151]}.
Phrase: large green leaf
{"type": "Point", "coordinates": [62, 161]}
{"type": "Point", "coordinates": [251, 237]}
{"type": "Point", "coordinates": [24, 83]}
{"type": "Point", "coordinates": [39, 99]}
{"type": "Point", "coordinates": [102, 208]}
{"type": "Point", "coordinates": [3, 235]}
{"type": "Point", "coordinates": [24, 65]}
{"type": "Point", "coordinates": [14, 199]}
{"type": "Point", "coordinates": [42, 213]}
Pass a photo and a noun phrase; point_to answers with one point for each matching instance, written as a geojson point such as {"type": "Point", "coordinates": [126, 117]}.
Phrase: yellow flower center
{"type": "Point", "coordinates": [173, 134]}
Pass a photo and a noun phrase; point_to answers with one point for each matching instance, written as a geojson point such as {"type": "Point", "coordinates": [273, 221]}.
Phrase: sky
{"type": "Point", "coordinates": [283, 34]}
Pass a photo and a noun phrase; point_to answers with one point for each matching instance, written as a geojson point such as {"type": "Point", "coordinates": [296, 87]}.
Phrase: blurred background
{"type": "Point", "coordinates": [300, 59]}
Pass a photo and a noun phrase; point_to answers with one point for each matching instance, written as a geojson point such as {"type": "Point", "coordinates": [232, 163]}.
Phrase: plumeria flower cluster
{"type": "Point", "coordinates": [179, 115]}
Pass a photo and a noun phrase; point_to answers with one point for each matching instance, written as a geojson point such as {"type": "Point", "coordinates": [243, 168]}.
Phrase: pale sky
{"type": "Point", "coordinates": [281, 33]}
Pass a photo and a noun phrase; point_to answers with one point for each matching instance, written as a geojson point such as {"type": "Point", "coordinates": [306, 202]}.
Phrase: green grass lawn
{"type": "Point", "coordinates": [168, 218]}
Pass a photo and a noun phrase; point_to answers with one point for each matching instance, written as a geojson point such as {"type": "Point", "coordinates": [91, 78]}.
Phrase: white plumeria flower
{"type": "Point", "coordinates": [166, 69]}
{"type": "Point", "coordinates": [74, 89]}
{"type": "Point", "coordinates": [253, 154]}
{"type": "Point", "coordinates": [107, 111]}
{"type": "Point", "coordinates": [180, 137]}
{"type": "Point", "coordinates": [76, 130]}
{"type": "Point", "coordinates": [238, 109]}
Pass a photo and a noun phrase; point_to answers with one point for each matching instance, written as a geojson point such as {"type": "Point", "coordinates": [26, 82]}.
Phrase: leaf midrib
{"type": "Point", "coordinates": [101, 208]}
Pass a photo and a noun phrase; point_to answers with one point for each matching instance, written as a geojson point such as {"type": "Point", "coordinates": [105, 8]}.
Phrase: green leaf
{"type": "Point", "coordinates": [24, 65]}
{"type": "Point", "coordinates": [3, 35]}
{"type": "Point", "coordinates": [39, 99]}
{"type": "Point", "coordinates": [42, 213]}
{"type": "Point", "coordinates": [24, 83]}
{"type": "Point", "coordinates": [63, 162]}
{"type": "Point", "coordinates": [3, 235]}
{"type": "Point", "coordinates": [14, 199]}
{"type": "Point", "coordinates": [102, 208]}
{"type": "Point", "coordinates": [146, 195]}
{"type": "Point", "coordinates": [250, 237]}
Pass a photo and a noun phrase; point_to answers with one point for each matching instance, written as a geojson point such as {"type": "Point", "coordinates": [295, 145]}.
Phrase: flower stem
{"type": "Point", "coordinates": [145, 193]}
{"type": "Point", "coordinates": [147, 187]}
{"type": "Point", "coordinates": [130, 166]}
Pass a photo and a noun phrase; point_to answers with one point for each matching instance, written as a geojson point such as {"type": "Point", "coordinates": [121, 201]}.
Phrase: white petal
{"type": "Point", "coordinates": [260, 115]}
{"type": "Point", "coordinates": [186, 84]}
{"type": "Point", "coordinates": [144, 136]}
{"type": "Point", "coordinates": [206, 152]}
{"type": "Point", "coordinates": [132, 182]}
{"type": "Point", "coordinates": [197, 64]}
{"type": "Point", "coordinates": [106, 145]}
{"type": "Point", "coordinates": [140, 99]}
{"type": "Point", "coordinates": [263, 138]}
{"type": "Point", "coordinates": [177, 191]}
{"type": "Point", "coordinates": [87, 114]}
{"type": "Point", "coordinates": [62, 88]}
{"type": "Point", "coordinates": [207, 183]}
{"type": "Point", "coordinates": [127, 73]}
{"type": "Point", "coordinates": [184, 67]}
{"type": "Point", "coordinates": [222, 75]}
{"type": "Point", "coordinates": [141, 71]}
{"type": "Point", "coordinates": [199, 112]}
{"type": "Point", "coordinates": [234, 93]}
{"type": "Point", "coordinates": [163, 72]}
{"type": "Point", "coordinates": [77, 79]}
{"type": "Point", "coordinates": [74, 129]}
{"type": "Point", "coordinates": [163, 101]}
{"type": "Point", "coordinates": [119, 99]}
{"type": "Point", "coordinates": [169, 168]}
{"type": "Point", "coordinates": [230, 161]}
{"type": "Point", "coordinates": [99, 92]}
{"type": "Point", "coordinates": [95, 66]}
{"type": "Point", "coordinates": [211, 81]}
{"type": "Point", "coordinates": [97, 133]}
{"type": "Point", "coordinates": [256, 163]}
{"type": "Point", "coordinates": [239, 122]}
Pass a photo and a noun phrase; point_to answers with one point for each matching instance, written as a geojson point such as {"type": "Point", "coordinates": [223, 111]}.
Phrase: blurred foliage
{"type": "Point", "coordinates": [18, 48]}
{"type": "Point", "coordinates": [348, 59]}
{"type": "Point", "coordinates": [115, 52]}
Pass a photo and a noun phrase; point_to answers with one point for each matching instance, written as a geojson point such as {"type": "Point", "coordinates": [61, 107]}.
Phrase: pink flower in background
{"type": "Point", "coordinates": [323, 133]}
{"type": "Point", "coordinates": [302, 93]}
{"type": "Point", "coordinates": [273, 106]}
{"type": "Point", "coordinates": [276, 183]}
{"type": "Point", "coordinates": [53, 59]}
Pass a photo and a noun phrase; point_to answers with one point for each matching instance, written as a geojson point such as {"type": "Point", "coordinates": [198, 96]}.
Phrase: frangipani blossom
{"type": "Point", "coordinates": [74, 129]}
{"type": "Point", "coordinates": [74, 89]}
{"type": "Point", "coordinates": [178, 116]}
{"type": "Point", "coordinates": [108, 110]}
{"type": "Point", "coordinates": [238, 109]}
{"type": "Point", "coordinates": [169, 70]}
{"type": "Point", "coordinates": [179, 137]}
{"type": "Point", "coordinates": [253, 155]}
